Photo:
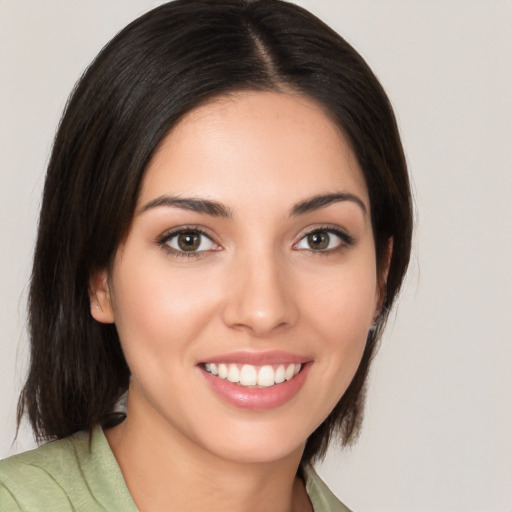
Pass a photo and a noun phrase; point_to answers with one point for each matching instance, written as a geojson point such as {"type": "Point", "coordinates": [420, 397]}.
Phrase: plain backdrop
{"type": "Point", "coordinates": [438, 430]}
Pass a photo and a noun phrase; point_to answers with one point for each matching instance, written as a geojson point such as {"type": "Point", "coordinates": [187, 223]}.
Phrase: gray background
{"type": "Point", "coordinates": [438, 427]}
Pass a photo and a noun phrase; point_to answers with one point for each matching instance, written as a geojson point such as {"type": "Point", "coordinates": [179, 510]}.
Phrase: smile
{"type": "Point", "coordinates": [256, 381]}
{"type": "Point", "coordinates": [247, 375]}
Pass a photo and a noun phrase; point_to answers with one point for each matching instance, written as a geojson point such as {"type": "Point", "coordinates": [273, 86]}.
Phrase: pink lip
{"type": "Point", "coordinates": [256, 399]}
{"type": "Point", "coordinates": [258, 358]}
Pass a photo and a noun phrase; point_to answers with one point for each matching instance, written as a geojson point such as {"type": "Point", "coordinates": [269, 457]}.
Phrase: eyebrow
{"type": "Point", "coordinates": [216, 209]}
{"type": "Point", "coordinates": [204, 206]}
{"type": "Point", "coordinates": [321, 201]}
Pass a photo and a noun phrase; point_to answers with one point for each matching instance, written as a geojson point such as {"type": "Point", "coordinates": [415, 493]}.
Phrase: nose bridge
{"type": "Point", "coordinates": [260, 298]}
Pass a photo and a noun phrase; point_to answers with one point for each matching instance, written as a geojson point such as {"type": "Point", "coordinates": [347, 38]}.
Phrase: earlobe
{"type": "Point", "coordinates": [99, 296]}
{"type": "Point", "coordinates": [387, 260]}
{"type": "Point", "coordinates": [383, 273]}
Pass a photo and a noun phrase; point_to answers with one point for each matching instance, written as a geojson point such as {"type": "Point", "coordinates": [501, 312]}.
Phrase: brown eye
{"type": "Point", "coordinates": [324, 240]}
{"type": "Point", "coordinates": [318, 240]}
{"type": "Point", "coordinates": [189, 241]}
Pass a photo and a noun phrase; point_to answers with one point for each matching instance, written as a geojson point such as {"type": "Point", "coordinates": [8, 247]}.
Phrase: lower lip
{"type": "Point", "coordinates": [257, 399]}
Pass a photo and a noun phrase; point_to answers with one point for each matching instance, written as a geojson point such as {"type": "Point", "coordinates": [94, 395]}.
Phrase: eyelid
{"type": "Point", "coordinates": [347, 239]}
{"type": "Point", "coordinates": [173, 232]}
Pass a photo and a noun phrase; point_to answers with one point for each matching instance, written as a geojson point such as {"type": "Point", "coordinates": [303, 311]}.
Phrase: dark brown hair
{"type": "Point", "coordinates": [167, 62]}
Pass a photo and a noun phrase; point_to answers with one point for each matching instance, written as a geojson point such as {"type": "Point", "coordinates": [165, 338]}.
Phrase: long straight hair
{"type": "Point", "coordinates": [164, 64]}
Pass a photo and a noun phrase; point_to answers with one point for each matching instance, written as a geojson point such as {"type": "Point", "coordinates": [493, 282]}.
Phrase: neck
{"type": "Point", "coordinates": [165, 470]}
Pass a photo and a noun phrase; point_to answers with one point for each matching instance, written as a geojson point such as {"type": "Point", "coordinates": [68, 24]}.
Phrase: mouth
{"type": "Point", "coordinates": [255, 381]}
{"type": "Point", "coordinates": [252, 376]}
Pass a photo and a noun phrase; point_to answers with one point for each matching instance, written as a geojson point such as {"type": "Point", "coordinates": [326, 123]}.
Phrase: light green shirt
{"type": "Point", "coordinates": [66, 475]}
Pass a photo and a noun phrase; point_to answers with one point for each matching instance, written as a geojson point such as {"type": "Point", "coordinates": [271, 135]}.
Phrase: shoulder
{"type": "Point", "coordinates": [41, 477]}
{"type": "Point", "coordinates": [48, 458]}
{"type": "Point", "coordinates": [321, 497]}
{"type": "Point", "coordinates": [75, 473]}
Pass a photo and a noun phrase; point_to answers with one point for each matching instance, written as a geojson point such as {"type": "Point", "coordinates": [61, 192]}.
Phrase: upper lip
{"type": "Point", "coordinates": [257, 358]}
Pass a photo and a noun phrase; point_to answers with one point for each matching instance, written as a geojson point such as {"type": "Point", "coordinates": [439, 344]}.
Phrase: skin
{"type": "Point", "coordinates": [257, 286]}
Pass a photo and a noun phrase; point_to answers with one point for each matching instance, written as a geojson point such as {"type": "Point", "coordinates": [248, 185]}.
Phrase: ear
{"type": "Point", "coordinates": [99, 296]}
{"type": "Point", "coordinates": [383, 274]}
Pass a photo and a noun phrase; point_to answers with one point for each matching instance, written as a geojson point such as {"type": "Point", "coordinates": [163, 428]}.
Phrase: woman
{"type": "Point", "coordinates": [225, 225]}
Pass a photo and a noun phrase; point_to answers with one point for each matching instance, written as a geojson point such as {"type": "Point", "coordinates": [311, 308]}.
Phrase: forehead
{"type": "Point", "coordinates": [258, 145]}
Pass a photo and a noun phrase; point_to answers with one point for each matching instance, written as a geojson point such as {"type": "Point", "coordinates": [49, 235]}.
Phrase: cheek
{"type": "Point", "coordinates": [344, 303]}
{"type": "Point", "coordinates": [158, 309]}
{"type": "Point", "coordinates": [340, 315]}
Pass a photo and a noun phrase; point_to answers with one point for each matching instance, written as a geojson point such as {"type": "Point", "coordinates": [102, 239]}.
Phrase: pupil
{"type": "Point", "coordinates": [318, 240]}
{"type": "Point", "coordinates": [188, 241]}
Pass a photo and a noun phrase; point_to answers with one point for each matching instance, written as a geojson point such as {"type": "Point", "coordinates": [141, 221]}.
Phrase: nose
{"type": "Point", "coordinates": [260, 297]}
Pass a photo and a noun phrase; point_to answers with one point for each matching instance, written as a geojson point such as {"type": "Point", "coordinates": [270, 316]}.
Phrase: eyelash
{"type": "Point", "coordinates": [163, 242]}
{"type": "Point", "coordinates": [346, 241]}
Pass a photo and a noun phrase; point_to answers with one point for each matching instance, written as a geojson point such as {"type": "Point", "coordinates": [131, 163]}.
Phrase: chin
{"type": "Point", "coordinates": [258, 442]}
{"type": "Point", "coordinates": [256, 453]}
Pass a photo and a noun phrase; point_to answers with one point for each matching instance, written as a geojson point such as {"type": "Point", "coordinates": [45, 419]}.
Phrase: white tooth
{"type": "Point", "coordinates": [289, 371]}
{"type": "Point", "coordinates": [213, 369]}
{"type": "Point", "coordinates": [297, 369]}
{"type": "Point", "coordinates": [207, 367]}
{"type": "Point", "coordinates": [233, 373]}
{"type": "Point", "coordinates": [223, 371]}
{"type": "Point", "coordinates": [280, 374]}
{"type": "Point", "coordinates": [248, 375]}
{"type": "Point", "coordinates": [266, 376]}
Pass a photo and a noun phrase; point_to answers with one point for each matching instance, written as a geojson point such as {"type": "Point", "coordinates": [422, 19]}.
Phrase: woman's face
{"type": "Point", "coordinates": [246, 285]}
